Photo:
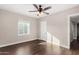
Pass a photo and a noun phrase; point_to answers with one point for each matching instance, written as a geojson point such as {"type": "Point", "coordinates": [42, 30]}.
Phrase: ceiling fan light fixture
{"type": "Point", "coordinates": [39, 13]}
{"type": "Point", "coordinates": [40, 10]}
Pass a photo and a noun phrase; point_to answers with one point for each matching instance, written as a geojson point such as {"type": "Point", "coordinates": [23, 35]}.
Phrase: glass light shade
{"type": "Point", "coordinates": [39, 13]}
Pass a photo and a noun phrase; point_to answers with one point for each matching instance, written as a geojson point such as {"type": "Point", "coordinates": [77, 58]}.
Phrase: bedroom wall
{"type": "Point", "coordinates": [57, 26]}
{"type": "Point", "coordinates": [9, 26]}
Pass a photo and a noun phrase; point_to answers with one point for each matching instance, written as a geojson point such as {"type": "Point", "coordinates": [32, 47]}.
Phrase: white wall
{"type": "Point", "coordinates": [57, 25]}
{"type": "Point", "coordinates": [9, 26]}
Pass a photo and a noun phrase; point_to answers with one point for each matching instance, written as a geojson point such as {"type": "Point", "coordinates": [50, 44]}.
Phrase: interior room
{"type": "Point", "coordinates": [39, 29]}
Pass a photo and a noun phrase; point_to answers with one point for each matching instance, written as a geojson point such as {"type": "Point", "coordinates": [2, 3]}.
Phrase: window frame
{"type": "Point", "coordinates": [28, 28]}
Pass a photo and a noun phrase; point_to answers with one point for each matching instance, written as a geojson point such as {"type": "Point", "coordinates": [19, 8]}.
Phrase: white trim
{"type": "Point", "coordinates": [68, 47]}
{"type": "Point", "coordinates": [69, 31]}
{"type": "Point", "coordinates": [64, 46]}
{"type": "Point", "coordinates": [15, 43]}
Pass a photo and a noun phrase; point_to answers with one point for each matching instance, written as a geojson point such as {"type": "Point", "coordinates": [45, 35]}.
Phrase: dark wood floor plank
{"type": "Point", "coordinates": [37, 47]}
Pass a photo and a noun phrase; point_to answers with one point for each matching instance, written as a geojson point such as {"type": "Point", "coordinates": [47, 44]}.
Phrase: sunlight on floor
{"type": "Point", "coordinates": [21, 51]}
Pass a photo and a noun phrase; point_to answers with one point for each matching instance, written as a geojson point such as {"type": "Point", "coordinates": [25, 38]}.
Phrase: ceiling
{"type": "Point", "coordinates": [24, 8]}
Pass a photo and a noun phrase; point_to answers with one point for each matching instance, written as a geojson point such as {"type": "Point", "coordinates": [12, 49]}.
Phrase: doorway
{"type": "Point", "coordinates": [77, 31]}
{"type": "Point", "coordinates": [74, 32]}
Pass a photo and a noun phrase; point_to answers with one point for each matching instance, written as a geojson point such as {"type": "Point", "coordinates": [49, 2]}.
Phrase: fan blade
{"type": "Point", "coordinates": [32, 11]}
{"type": "Point", "coordinates": [35, 6]}
{"type": "Point", "coordinates": [46, 8]}
{"type": "Point", "coordinates": [46, 13]}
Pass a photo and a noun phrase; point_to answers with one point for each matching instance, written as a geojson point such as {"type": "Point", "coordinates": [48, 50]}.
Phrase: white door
{"type": "Point", "coordinates": [43, 30]}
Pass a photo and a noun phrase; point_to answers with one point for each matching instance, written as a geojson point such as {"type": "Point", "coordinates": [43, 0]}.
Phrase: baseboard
{"type": "Point", "coordinates": [15, 43]}
{"type": "Point", "coordinates": [64, 46]}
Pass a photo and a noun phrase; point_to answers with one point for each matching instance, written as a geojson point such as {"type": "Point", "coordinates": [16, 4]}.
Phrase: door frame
{"type": "Point", "coordinates": [69, 27]}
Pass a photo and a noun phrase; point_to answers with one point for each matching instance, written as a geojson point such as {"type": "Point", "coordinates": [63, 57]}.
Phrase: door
{"type": "Point", "coordinates": [43, 30]}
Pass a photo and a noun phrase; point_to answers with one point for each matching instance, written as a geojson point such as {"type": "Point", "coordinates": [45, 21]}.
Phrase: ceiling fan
{"type": "Point", "coordinates": [40, 9]}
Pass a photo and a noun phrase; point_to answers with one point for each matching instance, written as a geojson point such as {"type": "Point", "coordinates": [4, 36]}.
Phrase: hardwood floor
{"type": "Point", "coordinates": [36, 47]}
{"type": "Point", "coordinates": [75, 44]}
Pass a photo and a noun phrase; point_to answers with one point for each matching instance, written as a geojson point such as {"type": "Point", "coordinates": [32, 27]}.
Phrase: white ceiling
{"type": "Point", "coordinates": [24, 8]}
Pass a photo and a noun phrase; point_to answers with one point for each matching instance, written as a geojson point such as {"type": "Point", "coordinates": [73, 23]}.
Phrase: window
{"type": "Point", "coordinates": [23, 28]}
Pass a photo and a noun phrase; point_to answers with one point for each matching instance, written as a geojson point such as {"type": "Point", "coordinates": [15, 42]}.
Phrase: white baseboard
{"type": "Point", "coordinates": [15, 43]}
{"type": "Point", "coordinates": [27, 41]}
{"type": "Point", "coordinates": [64, 46]}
